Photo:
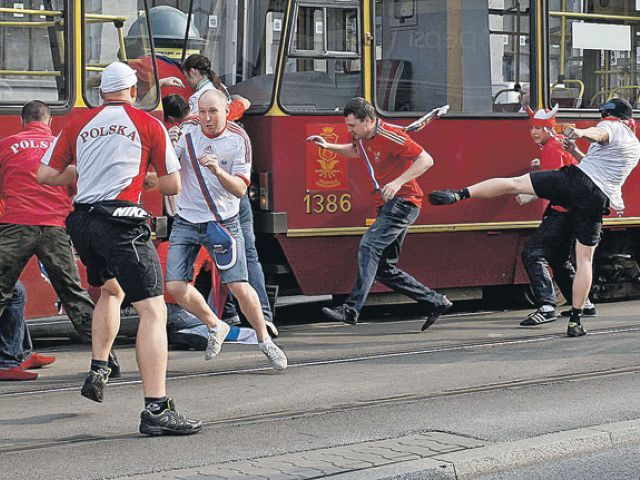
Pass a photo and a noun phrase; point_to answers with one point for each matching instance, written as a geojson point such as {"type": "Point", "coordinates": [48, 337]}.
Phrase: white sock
{"type": "Point", "coordinates": [546, 308]}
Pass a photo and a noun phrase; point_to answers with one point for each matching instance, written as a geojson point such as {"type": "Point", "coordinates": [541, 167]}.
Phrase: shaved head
{"type": "Point", "coordinates": [213, 111]}
{"type": "Point", "coordinates": [212, 97]}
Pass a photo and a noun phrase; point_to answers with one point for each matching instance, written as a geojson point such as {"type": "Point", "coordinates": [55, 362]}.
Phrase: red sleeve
{"type": "Point", "coordinates": [551, 156]}
{"type": "Point", "coordinates": [236, 110]}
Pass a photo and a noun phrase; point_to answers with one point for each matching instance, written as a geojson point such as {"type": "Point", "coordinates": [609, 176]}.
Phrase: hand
{"type": "Point", "coordinates": [150, 181]}
{"type": "Point", "coordinates": [389, 190]}
{"type": "Point", "coordinates": [210, 161]}
{"type": "Point", "coordinates": [569, 144]}
{"type": "Point", "coordinates": [523, 198]}
{"type": "Point", "coordinates": [171, 82]}
{"type": "Point", "coordinates": [572, 133]}
{"type": "Point", "coordinates": [318, 140]}
{"type": "Point", "coordinates": [174, 134]}
{"type": "Point", "coordinates": [535, 164]}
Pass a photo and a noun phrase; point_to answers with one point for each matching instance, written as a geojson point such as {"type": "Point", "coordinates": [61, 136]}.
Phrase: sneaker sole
{"type": "Point", "coordinates": [576, 335]}
{"type": "Point", "coordinates": [533, 324]}
{"type": "Point", "coordinates": [92, 393]}
{"type": "Point", "coordinates": [155, 431]}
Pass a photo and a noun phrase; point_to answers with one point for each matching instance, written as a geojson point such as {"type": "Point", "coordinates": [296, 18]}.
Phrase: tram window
{"type": "Point", "coordinates": [117, 31]}
{"type": "Point", "coordinates": [593, 52]}
{"type": "Point", "coordinates": [323, 68]}
{"type": "Point", "coordinates": [32, 57]}
{"type": "Point", "coordinates": [471, 54]}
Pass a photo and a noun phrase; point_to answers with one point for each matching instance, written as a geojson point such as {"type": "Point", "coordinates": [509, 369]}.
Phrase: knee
{"type": "Point", "coordinates": [112, 288]}
{"type": "Point", "coordinates": [177, 289]}
{"type": "Point", "coordinates": [240, 290]}
{"type": "Point", "coordinates": [152, 310]}
{"type": "Point", "coordinates": [368, 248]}
{"type": "Point", "coordinates": [530, 255]}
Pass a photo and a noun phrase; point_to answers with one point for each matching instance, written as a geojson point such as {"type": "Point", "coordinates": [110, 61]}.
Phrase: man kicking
{"type": "Point", "coordinates": [586, 190]}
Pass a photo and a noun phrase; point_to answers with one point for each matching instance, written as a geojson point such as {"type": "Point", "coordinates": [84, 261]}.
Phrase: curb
{"type": "Point", "coordinates": [497, 457]}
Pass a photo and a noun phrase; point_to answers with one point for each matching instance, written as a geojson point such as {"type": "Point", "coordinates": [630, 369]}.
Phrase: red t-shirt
{"type": "Point", "coordinates": [387, 155]}
{"type": "Point", "coordinates": [552, 157]}
{"type": "Point", "coordinates": [26, 202]}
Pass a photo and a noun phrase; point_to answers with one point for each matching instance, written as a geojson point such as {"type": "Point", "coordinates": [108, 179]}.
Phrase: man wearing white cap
{"type": "Point", "coordinates": [108, 151]}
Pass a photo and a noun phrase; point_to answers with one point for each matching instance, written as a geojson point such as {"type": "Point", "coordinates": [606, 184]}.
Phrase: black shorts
{"type": "Point", "coordinates": [110, 250]}
{"type": "Point", "coordinates": [571, 188]}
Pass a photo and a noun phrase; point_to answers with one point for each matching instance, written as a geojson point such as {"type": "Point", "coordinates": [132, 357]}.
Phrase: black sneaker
{"type": "Point", "coordinates": [436, 312]}
{"type": "Point", "coordinates": [575, 329]}
{"type": "Point", "coordinates": [538, 318]}
{"type": "Point", "coordinates": [587, 312]}
{"type": "Point", "coordinates": [93, 387]}
{"type": "Point", "coordinates": [114, 365]}
{"type": "Point", "coordinates": [168, 422]}
{"type": "Point", "coordinates": [343, 313]}
{"type": "Point", "coordinates": [444, 197]}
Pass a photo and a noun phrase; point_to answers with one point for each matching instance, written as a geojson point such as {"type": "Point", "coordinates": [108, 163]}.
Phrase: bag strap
{"type": "Point", "coordinates": [191, 153]}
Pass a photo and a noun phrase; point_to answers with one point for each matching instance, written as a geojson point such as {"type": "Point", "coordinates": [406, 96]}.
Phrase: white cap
{"type": "Point", "coordinates": [117, 76]}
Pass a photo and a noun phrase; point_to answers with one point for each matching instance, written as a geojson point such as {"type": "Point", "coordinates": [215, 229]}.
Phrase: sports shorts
{"type": "Point", "coordinates": [110, 250]}
{"type": "Point", "coordinates": [571, 188]}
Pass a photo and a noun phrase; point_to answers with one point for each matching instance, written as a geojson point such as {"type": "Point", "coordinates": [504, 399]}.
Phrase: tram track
{"type": "Point", "coordinates": [296, 414]}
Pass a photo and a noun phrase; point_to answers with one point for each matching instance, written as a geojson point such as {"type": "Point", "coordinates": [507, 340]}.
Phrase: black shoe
{"type": "Point", "coordinates": [444, 197]}
{"type": "Point", "coordinates": [575, 329]}
{"type": "Point", "coordinates": [587, 312]}
{"type": "Point", "coordinates": [168, 422]}
{"type": "Point", "coordinates": [343, 313]}
{"type": "Point", "coordinates": [538, 318]}
{"type": "Point", "coordinates": [436, 312]}
{"type": "Point", "coordinates": [93, 387]}
{"type": "Point", "coordinates": [114, 365]}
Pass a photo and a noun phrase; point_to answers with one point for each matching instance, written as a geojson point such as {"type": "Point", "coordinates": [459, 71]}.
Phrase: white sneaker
{"type": "Point", "coordinates": [271, 328]}
{"type": "Point", "coordinates": [276, 357]}
{"type": "Point", "coordinates": [215, 340]}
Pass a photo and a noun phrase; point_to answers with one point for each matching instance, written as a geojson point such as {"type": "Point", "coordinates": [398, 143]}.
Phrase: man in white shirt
{"type": "Point", "coordinates": [216, 167]}
{"type": "Point", "coordinates": [586, 190]}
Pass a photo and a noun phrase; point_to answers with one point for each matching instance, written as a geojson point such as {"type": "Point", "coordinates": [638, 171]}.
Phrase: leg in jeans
{"type": "Point", "coordinates": [54, 250]}
{"type": "Point", "coordinates": [17, 246]}
{"type": "Point", "coordinates": [256, 275]}
{"type": "Point", "coordinates": [151, 345]}
{"type": "Point", "coordinates": [15, 342]}
{"type": "Point", "coordinates": [399, 281]}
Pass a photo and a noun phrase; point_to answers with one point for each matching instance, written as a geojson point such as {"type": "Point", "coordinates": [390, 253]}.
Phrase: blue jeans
{"type": "Point", "coordinates": [379, 253]}
{"type": "Point", "coordinates": [15, 341]}
{"type": "Point", "coordinates": [256, 275]}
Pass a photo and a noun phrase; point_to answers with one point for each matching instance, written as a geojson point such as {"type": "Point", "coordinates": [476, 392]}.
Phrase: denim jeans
{"type": "Point", "coordinates": [550, 245]}
{"type": "Point", "coordinates": [256, 275]}
{"type": "Point", "coordinates": [379, 253]}
{"type": "Point", "coordinates": [15, 341]}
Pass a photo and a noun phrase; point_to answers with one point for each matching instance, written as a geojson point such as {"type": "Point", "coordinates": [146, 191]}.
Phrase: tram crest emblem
{"type": "Point", "coordinates": [325, 168]}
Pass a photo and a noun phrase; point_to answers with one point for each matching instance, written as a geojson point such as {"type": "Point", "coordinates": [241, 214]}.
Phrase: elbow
{"type": "Point", "coordinates": [42, 177]}
{"type": "Point", "coordinates": [427, 162]}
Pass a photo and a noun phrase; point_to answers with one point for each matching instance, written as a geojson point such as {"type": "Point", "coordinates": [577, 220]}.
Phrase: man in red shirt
{"type": "Point", "coordinates": [550, 244]}
{"type": "Point", "coordinates": [109, 150]}
{"type": "Point", "coordinates": [32, 223]}
{"type": "Point", "coordinates": [394, 162]}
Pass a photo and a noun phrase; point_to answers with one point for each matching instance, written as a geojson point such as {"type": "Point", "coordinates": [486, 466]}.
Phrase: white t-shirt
{"type": "Point", "coordinates": [233, 149]}
{"type": "Point", "coordinates": [609, 164]}
{"type": "Point", "coordinates": [193, 99]}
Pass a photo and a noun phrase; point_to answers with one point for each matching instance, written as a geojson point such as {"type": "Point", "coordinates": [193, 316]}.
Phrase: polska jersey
{"type": "Point", "coordinates": [26, 202]}
{"type": "Point", "coordinates": [233, 150]}
{"type": "Point", "coordinates": [387, 155]}
{"type": "Point", "coordinates": [112, 147]}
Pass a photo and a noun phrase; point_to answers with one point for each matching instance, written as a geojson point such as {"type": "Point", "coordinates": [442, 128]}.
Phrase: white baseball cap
{"type": "Point", "coordinates": [117, 76]}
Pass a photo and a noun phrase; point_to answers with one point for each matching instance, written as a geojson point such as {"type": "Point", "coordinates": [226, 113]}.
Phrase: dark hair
{"type": "Point", "coordinates": [175, 106]}
{"type": "Point", "coordinates": [359, 108]}
{"type": "Point", "coordinates": [35, 111]}
{"type": "Point", "coordinates": [203, 65]}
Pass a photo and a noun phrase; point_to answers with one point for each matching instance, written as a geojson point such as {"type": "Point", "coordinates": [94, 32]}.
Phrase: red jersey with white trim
{"type": "Point", "coordinates": [387, 155]}
{"type": "Point", "coordinates": [233, 149]}
{"type": "Point", "coordinates": [554, 156]}
{"type": "Point", "coordinates": [26, 202]}
{"type": "Point", "coordinates": [112, 147]}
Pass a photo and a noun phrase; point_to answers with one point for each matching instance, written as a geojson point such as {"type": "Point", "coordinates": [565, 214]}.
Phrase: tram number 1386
{"type": "Point", "coordinates": [331, 203]}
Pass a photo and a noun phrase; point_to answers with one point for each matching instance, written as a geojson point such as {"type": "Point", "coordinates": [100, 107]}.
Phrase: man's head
{"type": "Point", "coordinates": [118, 82]}
{"type": "Point", "coordinates": [213, 111]}
{"type": "Point", "coordinates": [616, 107]}
{"type": "Point", "coordinates": [360, 117]}
{"type": "Point", "coordinates": [175, 108]}
{"type": "Point", "coordinates": [35, 111]}
{"type": "Point", "coordinates": [542, 123]}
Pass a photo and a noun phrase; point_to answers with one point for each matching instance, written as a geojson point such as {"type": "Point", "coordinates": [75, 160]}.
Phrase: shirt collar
{"type": "Point", "coordinates": [38, 127]}
{"type": "Point", "coordinates": [202, 83]}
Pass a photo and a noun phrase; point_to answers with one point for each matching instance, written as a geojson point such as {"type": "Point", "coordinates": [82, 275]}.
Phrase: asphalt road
{"type": "Point", "coordinates": [480, 377]}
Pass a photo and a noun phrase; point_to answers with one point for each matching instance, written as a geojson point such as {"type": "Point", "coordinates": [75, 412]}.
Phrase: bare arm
{"type": "Point", "coordinates": [344, 149]}
{"type": "Point", "coordinates": [592, 134]}
{"type": "Point", "coordinates": [47, 175]}
{"type": "Point", "coordinates": [420, 165]}
{"type": "Point", "coordinates": [170, 184]}
{"type": "Point", "coordinates": [231, 183]}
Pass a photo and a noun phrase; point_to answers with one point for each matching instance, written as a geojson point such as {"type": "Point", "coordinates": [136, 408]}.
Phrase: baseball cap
{"type": "Point", "coordinates": [117, 76]}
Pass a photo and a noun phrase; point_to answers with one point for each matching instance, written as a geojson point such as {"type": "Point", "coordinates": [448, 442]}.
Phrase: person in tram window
{"type": "Point", "coordinates": [394, 162]}
{"type": "Point", "coordinates": [216, 166]}
{"type": "Point", "coordinates": [108, 151]}
{"type": "Point", "coordinates": [550, 243]}
{"type": "Point", "coordinates": [32, 221]}
{"type": "Point", "coordinates": [585, 190]}
{"type": "Point", "coordinates": [176, 111]}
